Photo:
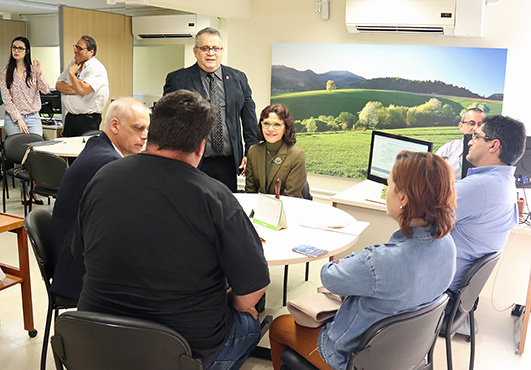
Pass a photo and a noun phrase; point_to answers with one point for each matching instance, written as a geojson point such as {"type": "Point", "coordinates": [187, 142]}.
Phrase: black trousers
{"type": "Point", "coordinates": [78, 124]}
{"type": "Point", "coordinates": [222, 169]}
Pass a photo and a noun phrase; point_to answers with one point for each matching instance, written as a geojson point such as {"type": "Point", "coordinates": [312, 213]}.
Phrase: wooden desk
{"type": "Point", "coordinates": [354, 201]}
{"type": "Point", "coordinates": [21, 274]}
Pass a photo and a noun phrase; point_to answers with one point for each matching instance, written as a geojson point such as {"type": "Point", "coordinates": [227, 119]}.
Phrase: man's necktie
{"type": "Point", "coordinates": [217, 131]}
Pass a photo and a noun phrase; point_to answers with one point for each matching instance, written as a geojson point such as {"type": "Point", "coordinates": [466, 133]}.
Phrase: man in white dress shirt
{"type": "Point", "coordinates": [452, 152]}
{"type": "Point", "coordinates": [84, 86]}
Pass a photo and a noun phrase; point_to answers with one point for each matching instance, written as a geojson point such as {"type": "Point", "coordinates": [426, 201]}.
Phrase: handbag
{"type": "Point", "coordinates": [313, 311]}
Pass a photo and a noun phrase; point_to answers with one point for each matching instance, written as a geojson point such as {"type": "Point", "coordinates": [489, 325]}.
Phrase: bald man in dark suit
{"type": "Point", "coordinates": [124, 133]}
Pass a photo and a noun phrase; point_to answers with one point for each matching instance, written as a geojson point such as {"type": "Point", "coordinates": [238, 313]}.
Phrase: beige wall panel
{"type": "Point", "coordinates": [113, 36]}
{"type": "Point", "coordinates": [8, 31]}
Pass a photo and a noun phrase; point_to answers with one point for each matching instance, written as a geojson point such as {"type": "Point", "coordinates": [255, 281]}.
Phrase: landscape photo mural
{"type": "Point", "coordinates": [338, 93]}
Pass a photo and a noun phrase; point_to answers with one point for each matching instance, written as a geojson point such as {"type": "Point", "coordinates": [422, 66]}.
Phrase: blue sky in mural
{"type": "Point", "coordinates": [481, 70]}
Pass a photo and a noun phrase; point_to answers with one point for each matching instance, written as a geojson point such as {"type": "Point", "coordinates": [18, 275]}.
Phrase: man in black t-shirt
{"type": "Point", "coordinates": [160, 240]}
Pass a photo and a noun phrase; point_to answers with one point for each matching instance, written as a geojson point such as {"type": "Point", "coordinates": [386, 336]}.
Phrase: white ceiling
{"type": "Point", "coordinates": [132, 8]}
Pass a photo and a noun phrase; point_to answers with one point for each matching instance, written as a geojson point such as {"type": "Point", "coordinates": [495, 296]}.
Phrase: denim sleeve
{"type": "Point", "coordinates": [354, 275]}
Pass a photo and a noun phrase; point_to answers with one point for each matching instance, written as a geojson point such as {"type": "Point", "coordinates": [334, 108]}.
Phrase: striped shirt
{"type": "Point", "coordinates": [21, 99]}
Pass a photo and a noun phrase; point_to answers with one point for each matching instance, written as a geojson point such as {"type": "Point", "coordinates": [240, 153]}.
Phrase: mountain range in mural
{"type": "Point", "coordinates": [286, 79]}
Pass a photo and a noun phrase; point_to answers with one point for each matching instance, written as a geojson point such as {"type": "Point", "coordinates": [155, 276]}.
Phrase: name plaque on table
{"type": "Point", "coordinates": [269, 212]}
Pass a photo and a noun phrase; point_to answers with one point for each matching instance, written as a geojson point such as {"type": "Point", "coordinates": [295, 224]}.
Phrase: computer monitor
{"type": "Point", "coordinates": [385, 147]}
{"type": "Point", "coordinates": [465, 165]}
{"type": "Point", "coordinates": [523, 167]}
{"type": "Point", "coordinates": [50, 107]}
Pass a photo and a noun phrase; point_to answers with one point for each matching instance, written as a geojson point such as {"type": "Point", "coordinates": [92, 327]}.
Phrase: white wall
{"type": "Point", "coordinates": [43, 30]}
{"type": "Point", "coordinates": [151, 64]}
{"type": "Point", "coordinates": [295, 21]}
{"type": "Point", "coordinates": [49, 58]}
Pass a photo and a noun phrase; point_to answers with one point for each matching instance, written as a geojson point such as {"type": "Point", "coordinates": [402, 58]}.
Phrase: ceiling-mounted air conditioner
{"type": "Point", "coordinates": [171, 26]}
{"type": "Point", "coordinates": [439, 17]}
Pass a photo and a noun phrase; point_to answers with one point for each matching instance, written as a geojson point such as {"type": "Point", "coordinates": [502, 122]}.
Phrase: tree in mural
{"type": "Point", "coordinates": [433, 112]}
{"type": "Point", "coordinates": [330, 85]}
{"type": "Point", "coordinates": [346, 120]}
{"type": "Point", "coordinates": [368, 117]}
{"type": "Point", "coordinates": [310, 124]}
{"type": "Point", "coordinates": [485, 108]}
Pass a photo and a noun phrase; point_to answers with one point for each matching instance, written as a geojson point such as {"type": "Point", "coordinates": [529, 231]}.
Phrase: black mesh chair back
{"type": "Point", "coordinates": [306, 191]}
{"type": "Point", "coordinates": [464, 302]}
{"type": "Point", "coordinates": [14, 148]}
{"type": "Point", "coordinates": [47, 171]}
{"type": "Point", "coordinates": [88, 341]}
{"type": "Point", "coordinates": [38, 225]}
{"type": "Point", "coordinates": [92, 133]}
{"type": "Point", "coordinates": [401, 342]}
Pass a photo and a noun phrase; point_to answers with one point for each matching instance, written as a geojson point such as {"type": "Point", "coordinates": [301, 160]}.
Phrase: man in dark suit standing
{"type": "Point", "coordinates": [125, 132]}
{"type": "Point", "coordinates": [228, 90]}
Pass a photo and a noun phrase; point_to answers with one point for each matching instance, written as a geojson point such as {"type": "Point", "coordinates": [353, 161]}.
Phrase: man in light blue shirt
{"type": "Point", "coordinates": [486, 198]}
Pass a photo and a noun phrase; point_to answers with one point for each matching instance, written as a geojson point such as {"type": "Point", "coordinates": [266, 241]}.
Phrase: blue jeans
{"type": "Point", "coordinates": [243, 338]}
{"type": "Point", "coordinates": [32, 120]}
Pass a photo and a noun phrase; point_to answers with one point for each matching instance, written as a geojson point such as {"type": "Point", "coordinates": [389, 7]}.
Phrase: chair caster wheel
{"type": "Point", "coordinates": [32, 333]}
{"type": "Point", "coordinates": [467, 339]}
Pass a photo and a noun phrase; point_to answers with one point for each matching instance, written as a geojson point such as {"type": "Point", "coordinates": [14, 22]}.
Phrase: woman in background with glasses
{"type": "Point", "coordinates": [276, 157]}
{"type": "Point", "coordinates": [20, 83]}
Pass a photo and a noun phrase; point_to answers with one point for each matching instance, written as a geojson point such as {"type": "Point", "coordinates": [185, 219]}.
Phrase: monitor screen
{"type": "Point", "coordinates": [523, 167]}
{"type": "Point", "coordinates": [50, 107]}
{"type": "Point", "coordinates": [385, 147]}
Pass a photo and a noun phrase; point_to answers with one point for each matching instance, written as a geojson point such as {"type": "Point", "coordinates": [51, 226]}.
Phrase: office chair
{"type": "Point", "coordinates": [38, 225]}
{"type": "Point", "coordinates": [464, 302]}
{"type": "Point", "coordinates": [92, 133]}
{"type": "Point", "coordinates": [46, 170]}
{"type": "Point", "coordinates": [14, 149]}
{"type": "Point", "coordinates": [88, 341]}
{"type": "Point", "coordinates": [400, 342]}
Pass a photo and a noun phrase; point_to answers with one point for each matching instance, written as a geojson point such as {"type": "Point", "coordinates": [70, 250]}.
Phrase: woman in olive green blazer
{"type": "Point", "coordinates": [276, 157]}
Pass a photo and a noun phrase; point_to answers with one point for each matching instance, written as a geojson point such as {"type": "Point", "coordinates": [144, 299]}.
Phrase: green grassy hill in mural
{"type": "Point", "coordinates": [346, 153]}
{"type": "Point", "coordinates": [303, 105]}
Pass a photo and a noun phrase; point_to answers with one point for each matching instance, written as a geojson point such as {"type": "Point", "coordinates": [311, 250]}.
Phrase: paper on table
{"type": "Point", "coordinates": [336, 221]}
{"type": "Point", "coordinates": [352, 228]}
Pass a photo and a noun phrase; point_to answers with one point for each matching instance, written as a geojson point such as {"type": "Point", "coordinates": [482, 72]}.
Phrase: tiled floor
{"type": "Point", "coordinates": [495, 347]}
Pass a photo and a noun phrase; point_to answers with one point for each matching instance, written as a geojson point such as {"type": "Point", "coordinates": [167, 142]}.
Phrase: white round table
{"type": "Point", "coordinates": [63, 146]}
{"type": "Point", "coordinates": [308, 224]}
